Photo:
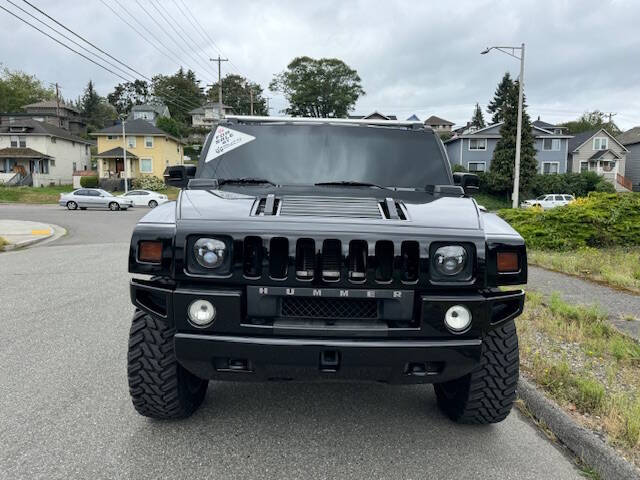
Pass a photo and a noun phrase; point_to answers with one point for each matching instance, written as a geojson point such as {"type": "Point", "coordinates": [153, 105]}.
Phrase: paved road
{"type": "Point", "coordinates": [618, 304]}
{"type": "Point", "coordinates": [66, 413]}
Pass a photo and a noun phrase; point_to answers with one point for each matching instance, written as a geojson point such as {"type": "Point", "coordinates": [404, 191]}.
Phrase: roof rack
{"type": "Point", "coordinates": [389, 123]}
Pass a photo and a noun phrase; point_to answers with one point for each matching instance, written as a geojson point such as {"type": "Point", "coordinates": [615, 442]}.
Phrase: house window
{"type": "Point", "coordinates": [148, 142]}
{"type": "Point", "coordinates": [607, 166]}
{"type": "Point", "coordinates": [477, 144]}
{"type": "Point", "coordinates": [22, 141]}
{"type": "Point", "coordinates": [600, 143]}
{"type": "Point", "coordinates": [111, 137]}
{"type": "Point", "coordinates": [131, 142]}
{"type": "Point", "coordinates": [52, 162]}
{"type": "Point", "coordinates": [14, 141]}
{"type": "Point", "coordinates": [86, 149]}
{"type": "Point", "coordinates": [584, 167]}
{"type": "Point", "coordinates": [477, 166]}
{"type": "Point", "coordinates": [44, 166]}
{"type": "Point", "coordinates": [552, 144]}
{"type": "Point", "coordinates": [146, 165]}
{"type": "Point", "coordinates": [74, 166]}
{"type": "Point", "coordinates": [550, 167]}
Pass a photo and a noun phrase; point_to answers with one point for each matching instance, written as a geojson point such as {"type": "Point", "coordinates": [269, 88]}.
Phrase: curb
{"type": "Point", "coordinates": [583, 443]}
{"type": "Point", "coordinates": [56, 232]}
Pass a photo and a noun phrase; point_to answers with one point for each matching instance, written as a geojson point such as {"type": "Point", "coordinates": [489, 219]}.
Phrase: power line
{"type": "Point", "coordinates": [186, 103]}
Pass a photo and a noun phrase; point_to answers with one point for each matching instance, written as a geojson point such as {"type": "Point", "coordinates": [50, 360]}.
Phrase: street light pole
{"type": "Point", "coordinates": [516, 170]}
{"type": "Point", "coordinates": [124, 154]}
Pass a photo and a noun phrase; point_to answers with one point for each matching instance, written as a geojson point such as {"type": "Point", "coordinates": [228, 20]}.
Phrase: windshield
{"type": "Point", "coordinates": [541, 197]}
{"type": "Point", "coordinates": [311, 154]}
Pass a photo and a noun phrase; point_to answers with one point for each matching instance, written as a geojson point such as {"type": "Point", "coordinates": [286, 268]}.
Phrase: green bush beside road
{"type": "Point", "coordinates": [89, 182]}
{"type": "Point", "coordinates": [599, 220]}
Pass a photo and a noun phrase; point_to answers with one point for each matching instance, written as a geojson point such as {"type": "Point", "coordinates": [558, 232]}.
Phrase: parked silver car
{"type": "Point", "coordinates": [84, 198]}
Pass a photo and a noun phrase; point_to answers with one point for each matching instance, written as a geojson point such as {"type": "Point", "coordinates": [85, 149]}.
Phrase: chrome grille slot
{"type": "Point", "coordinates": [384, 261]}
{"type": "Point", "coordinates": [305, 258]}
{"type": "Point", "coordinates": [252, 258]}
{"type": "Point", "coordinates": [278, 258]}
{"type": "Point", "coordinates": [410, 253]}
{"type": "Point", "coordinates": [358, 260]}
{"type": "Point", "coordinates": [317, 206]}
{"type": "Point", "coordinates": [331, 260]}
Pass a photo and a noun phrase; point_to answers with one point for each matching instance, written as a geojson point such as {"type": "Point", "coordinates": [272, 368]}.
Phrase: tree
{"type": "Point", "coordinates": [495, 106]}
{"type": "Point", "coordinates": [18, 89]}
{"type": "Point", "coordinates": [95, 109]}
{"type": "Point", "coordinates": [236, 93]}
{"type": "Point", "coordinates": [126, 95]}
{"type": "Point", "coordinates": [171, 126]}
{"type": "Point", "coordinates": [318, 88]}
{"type": "Point", "coordinates": [503, 162]}
{"type": "Point", "coordinates": [477, 120]}
{"type": "Point", "coordinates": [591, 121]}
{"type": "Point", "coordinates": [180, 92]}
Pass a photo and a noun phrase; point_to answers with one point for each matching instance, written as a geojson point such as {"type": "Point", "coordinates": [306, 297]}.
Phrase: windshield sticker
{"type": "Point", "coordinates": [225, 140]}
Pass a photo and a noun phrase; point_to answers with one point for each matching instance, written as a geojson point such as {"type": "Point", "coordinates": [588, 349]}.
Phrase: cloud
{"type": "Point", "coordinates": [413, 57]}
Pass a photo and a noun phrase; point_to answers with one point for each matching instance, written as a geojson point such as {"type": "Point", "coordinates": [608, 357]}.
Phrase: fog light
{"type": "Point", "coordinates": [458, 318]}
{"type": "Point", "coordinates": [201, 313]}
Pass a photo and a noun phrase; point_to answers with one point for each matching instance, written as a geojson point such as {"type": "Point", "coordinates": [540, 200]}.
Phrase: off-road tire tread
{"type": "Point", "coordinates": [157, 383]}
{"type": "Point", "coordinates": [487, 394]}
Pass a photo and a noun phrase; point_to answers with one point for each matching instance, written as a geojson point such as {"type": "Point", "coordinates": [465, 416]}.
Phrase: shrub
{"type": "Point", "coordinates": [148, 183]}
{"type": "Point", "coordinates": [577, 184]}
{"type": "Point", "coordinates": [599, 220]}
{"type": "Point", "coordinates": [89, 182]}
{"type": "Point", "coordinates": [458, 168]}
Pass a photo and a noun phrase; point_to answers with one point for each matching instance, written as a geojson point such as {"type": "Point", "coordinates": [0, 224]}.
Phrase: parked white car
{"type": "Point", "coordinates": [84, 198]}
{"type": "Point", "coordinates": [145, 198]}
{"type": "Point", "coordinates": [548, 201]}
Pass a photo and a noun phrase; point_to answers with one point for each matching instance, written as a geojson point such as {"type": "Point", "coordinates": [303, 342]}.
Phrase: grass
{"type": "Point", "coordinates": [52, 194]}
{"type": "Point", "coordinates": [586, 365]}
{"type": "Point", "coordinates": [617, 266]}
{"type": "Point", "coordinates": [492, 202]}
{"type": "Point", "coordinates": [3, 242]}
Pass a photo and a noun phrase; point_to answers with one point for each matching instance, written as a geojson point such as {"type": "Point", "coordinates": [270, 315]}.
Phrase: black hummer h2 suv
{"type": "Point", "coordinates": [324, 249]}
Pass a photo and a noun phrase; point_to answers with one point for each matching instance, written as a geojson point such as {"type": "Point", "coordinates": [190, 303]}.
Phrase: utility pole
{"type": "Point", "coordinates": [219, 60]}
{"type": "Point", "coordinates": [268, 107]}
{"type": "Point", "coordinates": [251, 95]}
{"type": "Point", "coordinates": [124, 154]}
{"type": "Point", "coordinates": [58, 104]}
{"type": "Point", "coordinates": [610, 115]}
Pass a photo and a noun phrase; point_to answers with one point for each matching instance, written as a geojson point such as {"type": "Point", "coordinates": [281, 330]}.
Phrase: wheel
{"type": "Point", "coordinates": [72, 205]}
{"type": "Point", "coordinates": [159, 386]}
{"type": "Point", "coordinates": [113, 206]}
{"type": "Point", "coordinates": [153, 204]}
{"type": "Point", "coordinates": [487, 394]}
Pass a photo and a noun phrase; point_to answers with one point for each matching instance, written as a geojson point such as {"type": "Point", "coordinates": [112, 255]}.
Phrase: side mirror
{"type": "Point", "coordinates": [468, 181]}
{"type": "Point", "coordinates": [179, 175]}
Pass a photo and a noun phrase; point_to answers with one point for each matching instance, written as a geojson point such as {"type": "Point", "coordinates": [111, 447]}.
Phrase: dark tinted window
{"type": "Point", "coordinates": [307, 154]}
{"type": "Point", "coordinates": [80, 192]}
{"type": "Point", "coordinates": [93, 193]}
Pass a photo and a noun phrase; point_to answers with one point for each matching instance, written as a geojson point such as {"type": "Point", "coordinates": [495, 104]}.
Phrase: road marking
{"type": "Point", "coordinates": [40, 232]}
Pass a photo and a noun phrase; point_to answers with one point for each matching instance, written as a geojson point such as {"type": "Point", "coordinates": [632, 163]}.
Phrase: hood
{"type": "Point", "coordinates": [360, 208]}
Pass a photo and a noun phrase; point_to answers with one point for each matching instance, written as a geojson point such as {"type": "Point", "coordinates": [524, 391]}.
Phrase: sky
{"type": "Point", "coordinates": [414, 57]}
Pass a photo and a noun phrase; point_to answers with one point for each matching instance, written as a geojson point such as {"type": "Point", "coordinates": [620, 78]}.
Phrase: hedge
{"type": "Point", "coordinates": [148, 183]}
{"type": "Point", "coordinates": [599, 220]}
{"type": "Point", "coordinates": [89, 182]}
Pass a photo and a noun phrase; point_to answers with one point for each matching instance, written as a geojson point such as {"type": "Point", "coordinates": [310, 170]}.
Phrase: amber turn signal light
{"type": "Point", "coordinates": [150, 252]}
{"type": "Point", "coordinates": [508, 262]}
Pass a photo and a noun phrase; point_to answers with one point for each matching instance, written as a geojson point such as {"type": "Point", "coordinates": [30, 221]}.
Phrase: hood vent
{"type": "Point", "coordinates": [331, 207]}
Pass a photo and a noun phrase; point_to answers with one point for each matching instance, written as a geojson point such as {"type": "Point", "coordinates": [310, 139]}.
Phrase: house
{"type": "Point", "coordinates": [37, 153]}
{"type": "Point", "coordinates": [51, 112]}
{"type": "Point", "coordinates": [599, 151]}
{"type": "Point", "coordinates": [375, 115]}
{"type": "Point", "coordinates": [548, 126]}
{"type": "Point", "coordinates": [413, 118]}
{"type": "Point", "coordinates": [631, 141]}
{"type": "Point", "coordinates": [473, 149]}
{"type": "Point", "coordinates": [439, 125]}
{"type": "Point", "coordinates": [149, 150]}
{"type": "Point", "coordinates": [149, 112]}
{"type": "Point", "coordinates": [208, 114]}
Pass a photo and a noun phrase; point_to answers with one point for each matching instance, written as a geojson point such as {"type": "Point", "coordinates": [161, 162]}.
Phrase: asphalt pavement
{"type": "Point", "coordinates": [65, 411]}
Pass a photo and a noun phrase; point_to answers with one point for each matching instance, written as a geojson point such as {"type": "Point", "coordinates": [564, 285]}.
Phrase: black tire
{"type": "Point", "coordinates": [159, 386]}
{"type": "Point", "coordinates": [153, 204]}
{"type": "Point", "coordinates": [71, 205]}
{"type": "Point", "coordinates": [487, 394]}
{"type": "Point", "coordinates": [113, 206]}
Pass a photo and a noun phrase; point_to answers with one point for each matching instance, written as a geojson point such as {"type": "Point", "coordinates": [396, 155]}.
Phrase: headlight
{"type": "Point", "coordinates": [209, 252]}
{"type": "Point", "coordinates": [450, 260]}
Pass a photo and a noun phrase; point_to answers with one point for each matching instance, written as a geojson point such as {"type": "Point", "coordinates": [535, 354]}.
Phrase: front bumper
{"type": "Point", "coordinates": [237, 347]}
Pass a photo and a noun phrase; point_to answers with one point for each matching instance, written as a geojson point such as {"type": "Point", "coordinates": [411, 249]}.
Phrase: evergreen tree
{"type": "Point", "coordinates": [502, 165]}
{"type": "Point", "coordinates": [495, 106]}
{"type": "Point", "coordinates": [95, 109]}
{"type": "Point", "coordinates": [477, 120]}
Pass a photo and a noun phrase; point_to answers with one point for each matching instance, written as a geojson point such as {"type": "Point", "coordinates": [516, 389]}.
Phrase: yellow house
{"type": "Point", "coordinates": [149, 150]}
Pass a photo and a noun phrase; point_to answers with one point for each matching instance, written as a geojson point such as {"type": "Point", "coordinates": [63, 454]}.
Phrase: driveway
{"type": "Point", "coordinates": [66, 411]}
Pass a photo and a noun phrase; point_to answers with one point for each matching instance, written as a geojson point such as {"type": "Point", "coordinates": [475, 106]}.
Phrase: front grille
{"type": "Point", "coordinates": [329, 308]}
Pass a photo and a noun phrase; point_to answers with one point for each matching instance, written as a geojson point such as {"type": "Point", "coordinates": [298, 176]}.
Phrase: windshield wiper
{"type": "Point", "coordinates": [351, 183]}
{"type": "Point", "coordinates": [245, 181]}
